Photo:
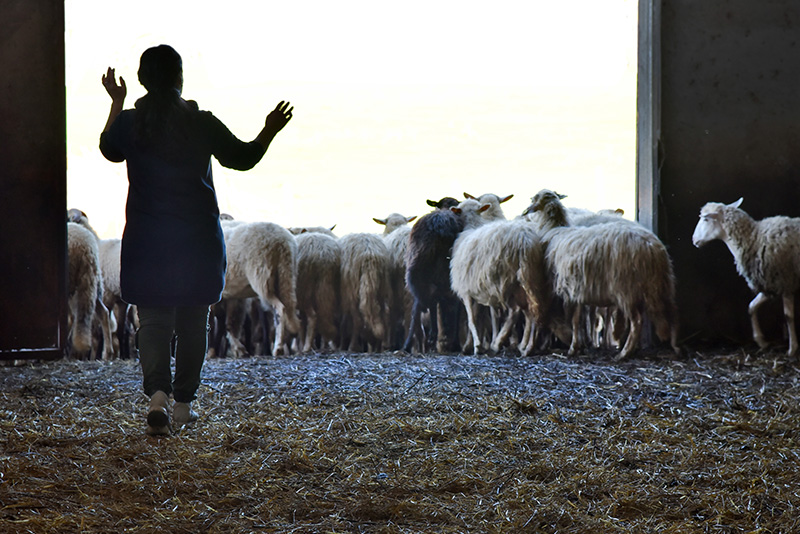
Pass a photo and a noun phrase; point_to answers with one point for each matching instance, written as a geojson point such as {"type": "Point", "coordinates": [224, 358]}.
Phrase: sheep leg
{"type": "Point", "coordinates": [755, 304]}
{"type": "Point", "coordinates": [234, 328]}
{"type": "Point", "coordinates": [575, 345]}
{"type": "Point", "coordinates": [788, 313]}
{"type": "Point", "coordinates": [633, 337]}
{"type": "Point", "coordinates": [281, 326]}
{"type": "Point", "coordinates": [476, 339]}
{"type": "Point", "coordinates": [495, 320]}
{"type": "Point", "coordinates": [526, 343]}
{"type": "Point", "coordinates": [311, 328]}
{"type": "Point", "coordinates": [505, 332]}
{"type": "Point", "coordinates": [358, 325]}
{"type": "Point", "coordinates": [235, 346]}
{"type": "Point", "coordinates": [443, 323]}
{"type": "Point", "coordinates": [105, 323]}
{"type": "Point", "coordinates": [414, 326]}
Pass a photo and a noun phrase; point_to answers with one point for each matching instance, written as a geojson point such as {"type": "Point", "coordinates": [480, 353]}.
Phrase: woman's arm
{"type": "Point", "coordinates": [117, 94]}
{"type": "Point", "coordinates": [235, 154]}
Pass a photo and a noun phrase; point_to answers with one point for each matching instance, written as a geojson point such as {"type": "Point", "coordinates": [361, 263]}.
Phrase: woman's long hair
{"type": "Point", "coordinates": [161, 114]}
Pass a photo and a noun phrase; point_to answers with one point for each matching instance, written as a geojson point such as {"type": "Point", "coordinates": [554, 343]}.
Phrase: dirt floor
{"type": "Point", "coordinates": [394, 443]}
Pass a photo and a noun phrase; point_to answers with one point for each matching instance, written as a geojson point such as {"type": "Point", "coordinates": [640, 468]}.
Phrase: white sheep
{"type": "Point", "coordinates": [395, 235]}
{"type": "Point", "coordinates": [110, 250]}
{"type": "Point", "coordinates": [85, 302]}
{"type": "Point", "coordinates": [766, 253]}
{"type": "Point", "coordinates": [262, 262]}
{"type": "Point", "coordinates": [610, 264]}
{"type": "Point", "coordinates": [499, 264]}
{"type": "Point", "coordinates": [603, 325]}
{"type": "Point", "coordinates": [495, 211]}
{"type": "Point", "coordinates": [319, 261]}
{"type": "Point", "coordinates": [365, 290]}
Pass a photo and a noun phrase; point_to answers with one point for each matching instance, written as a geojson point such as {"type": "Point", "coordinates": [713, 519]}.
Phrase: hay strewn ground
{"type": "Point", "coordinates": [397, 443]}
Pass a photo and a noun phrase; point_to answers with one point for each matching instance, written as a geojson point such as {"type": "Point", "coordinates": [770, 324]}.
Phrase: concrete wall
{"type": "Point", "coordinates": [32, 179]}
{"type": "Point", "coordinates": [730, 128]}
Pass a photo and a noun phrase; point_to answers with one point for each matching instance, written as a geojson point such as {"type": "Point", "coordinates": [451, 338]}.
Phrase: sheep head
{"type": "Point", "coordinates": [542, 199]}
{"type": "Point", "coordinates": [444, 204]}
{"type": "Point", "coordinates": [393, 222]}
{"type": "Point", "coordinates": [711, 225]}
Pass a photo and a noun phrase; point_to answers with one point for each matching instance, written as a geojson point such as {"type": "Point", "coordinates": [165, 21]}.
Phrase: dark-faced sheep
{"type": "Point", "coordinates": [430, 246]}
{"type": "Point", "coordinates": [766, 254]}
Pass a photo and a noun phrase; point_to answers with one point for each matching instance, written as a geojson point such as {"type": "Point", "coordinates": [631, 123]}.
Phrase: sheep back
{"type": "Point", "coordinates": [262, 261]}
{"type": "Point", "coordinates": [365, 280]}
{"type": "Point", "coordinates": [430, 244]}
{"type": "Point", "coordinates": [319, 259]}
{"type": "Point", "coordinates": [490, 263]}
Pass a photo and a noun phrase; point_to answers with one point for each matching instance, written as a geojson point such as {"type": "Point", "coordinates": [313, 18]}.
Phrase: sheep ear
{"type": "Point", "coordinates": [737, 203]}
{"type": "Point", "coordinates": [484, 208]}
{"type": "Point", "coordinates": [506, 198]}
{"type": "Point", "coordinates": [380, 221]}
{"type": "Point", "coordinates": [431, 203]}
{"type": "Point", "coordinates": [456, 210]}
{"type": "Point", "coordinates": [332, 227]}
{"type": "Point", "coordinates": [409, 219]}
{"type": "Point", "coordinates": [560, 196]}
{"type": "Point", "coordinates": [467, 195]}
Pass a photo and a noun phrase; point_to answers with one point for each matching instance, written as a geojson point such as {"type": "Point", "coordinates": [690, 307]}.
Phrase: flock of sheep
{"type": "Point", "coordinates": [463, 278]}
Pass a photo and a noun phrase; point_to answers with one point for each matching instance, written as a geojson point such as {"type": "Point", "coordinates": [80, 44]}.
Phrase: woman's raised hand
{"type": "Point", "coordinates": [278, 117]}
{"type": "Point", "coordinates": [115, 91]}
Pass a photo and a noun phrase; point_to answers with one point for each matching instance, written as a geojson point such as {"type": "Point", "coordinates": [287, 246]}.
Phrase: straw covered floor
{"type": "Point", "coordinates": [393, 443]}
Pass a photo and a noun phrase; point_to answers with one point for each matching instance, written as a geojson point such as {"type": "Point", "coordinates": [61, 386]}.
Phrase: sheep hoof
{"type": "Point", "coordinates": [621, 356]}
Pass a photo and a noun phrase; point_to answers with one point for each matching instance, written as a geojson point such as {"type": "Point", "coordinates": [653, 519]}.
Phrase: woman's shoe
{"type": "Point", "coordinates": [157, 415]}
{"type": "Point", "coordinates": [182, 413]}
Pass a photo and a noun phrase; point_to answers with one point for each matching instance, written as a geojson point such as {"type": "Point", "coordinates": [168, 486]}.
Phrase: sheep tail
{"type": "Point", "coordinates": [287, 292]}
{"type": "Point", "coordinates": [85, 298]}
{"type": "Point", "coordinates": [369, 306]}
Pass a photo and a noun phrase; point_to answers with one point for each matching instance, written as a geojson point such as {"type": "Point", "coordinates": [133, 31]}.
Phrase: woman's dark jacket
{"type": "Point", "coordinates": [173, 252]}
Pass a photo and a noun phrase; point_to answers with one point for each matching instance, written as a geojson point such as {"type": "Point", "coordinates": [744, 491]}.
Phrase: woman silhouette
{"type": "Point", "coordinates": [173, 254]}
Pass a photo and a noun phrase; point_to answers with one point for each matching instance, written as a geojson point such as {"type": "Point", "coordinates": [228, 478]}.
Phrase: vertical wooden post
{"type": "Point", "coordinates": [648, 114]}
{"type": "Point", "coordinates": [33, 242]}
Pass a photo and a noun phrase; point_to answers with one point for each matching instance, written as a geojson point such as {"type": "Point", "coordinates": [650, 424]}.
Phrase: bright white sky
{"type": "Point", "coordinates": [395, 102]}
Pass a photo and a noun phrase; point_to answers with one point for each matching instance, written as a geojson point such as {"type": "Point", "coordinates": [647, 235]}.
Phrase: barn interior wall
{"type": "Point", "coordinates": [33, 178]}
{"type": "Point", "coordinates": [730, 110]}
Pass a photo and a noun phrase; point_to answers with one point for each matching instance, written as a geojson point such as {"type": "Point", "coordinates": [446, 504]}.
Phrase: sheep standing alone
{"type": "Point", "coordinates": [499, 264]}
{"type": "Point", "coordinates": [610, 264]}
{"type": "Point", "coordinates": [430, 245]}
{"type": "Point", "coordinates": [766, 253]}
{"type": "Point", "coordinates": [262, 262]}
{"type": "Point", "coordinates": [365, 290]}
{"type": "Point", "coordinates": [319, 262]}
